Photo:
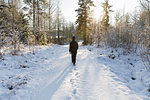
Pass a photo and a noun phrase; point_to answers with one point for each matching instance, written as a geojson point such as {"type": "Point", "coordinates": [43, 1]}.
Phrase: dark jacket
{"type": "Point", "coordinates": [73, 47]}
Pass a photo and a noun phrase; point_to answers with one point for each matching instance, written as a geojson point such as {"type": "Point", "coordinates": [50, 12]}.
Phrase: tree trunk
{"type": "Point", "coordinates": [34, 17]}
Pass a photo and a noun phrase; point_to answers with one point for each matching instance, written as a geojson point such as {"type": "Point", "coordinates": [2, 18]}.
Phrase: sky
{"type": "Point", "coordinates": [68, 8]}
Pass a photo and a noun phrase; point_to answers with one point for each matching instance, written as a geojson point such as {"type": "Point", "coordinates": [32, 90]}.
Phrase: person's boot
{"type": "Point", "coordinates": [74, 64]}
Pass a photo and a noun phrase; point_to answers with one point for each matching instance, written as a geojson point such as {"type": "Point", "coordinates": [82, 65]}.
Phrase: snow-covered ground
{"type": "Point", "coordinates": [99, 74]}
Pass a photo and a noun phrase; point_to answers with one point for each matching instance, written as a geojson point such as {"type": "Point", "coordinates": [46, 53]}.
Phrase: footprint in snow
{"type": "Point", "coordinates": [77, 75]}
{"type": "Point", "coordinates": [75, 68]}
{"type": "Point", "coordinates": [74, 91]}
{"type": "Point", "coordinates": [72, 81]}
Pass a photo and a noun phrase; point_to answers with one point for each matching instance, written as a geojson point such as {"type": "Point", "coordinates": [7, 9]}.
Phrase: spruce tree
{"type": "Point", "coordinates": [84, 18]}
{"type": "Point", "coordinates": [13, 25]}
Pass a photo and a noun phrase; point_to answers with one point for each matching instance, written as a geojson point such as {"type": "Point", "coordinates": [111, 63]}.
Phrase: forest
{"type": "Point", "coordinates": [30, 24]}
{"type": "Point", "coordinates": [41, 22]}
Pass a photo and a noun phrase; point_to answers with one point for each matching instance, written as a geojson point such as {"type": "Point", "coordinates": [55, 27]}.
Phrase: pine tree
{"type": "Point", "coordinates": [105, 19]}
{"type": "Point", "coordinates": [58, 22]}
{"type": "Point", "coordinates": [84, 18]}
{"type": "Point", "coordinates": [51, 9]}
{"type": "Point", "coordinates": [31, 9]}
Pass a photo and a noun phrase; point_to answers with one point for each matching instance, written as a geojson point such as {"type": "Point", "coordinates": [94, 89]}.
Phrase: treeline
{"type": "Point", "coordinates": [129, 31]}
{"type": "Point", "coordinates": [40, 22]}
{"type": "Point", "coordinates": [32, 22]}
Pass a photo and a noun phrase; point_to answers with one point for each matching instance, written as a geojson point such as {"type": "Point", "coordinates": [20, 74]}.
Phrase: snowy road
{"type": "Point", "coordinates": [50, 75]}
{"type": "Point", "coordinates": [90, 79]}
